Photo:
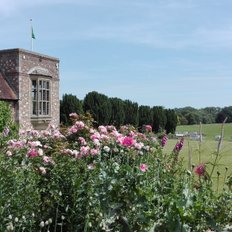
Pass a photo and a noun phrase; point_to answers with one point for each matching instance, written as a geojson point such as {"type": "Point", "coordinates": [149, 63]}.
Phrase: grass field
{"type": "Point", "coordinates": [209, 131]}
{"type": "Point", "coordinates": [195, 153]}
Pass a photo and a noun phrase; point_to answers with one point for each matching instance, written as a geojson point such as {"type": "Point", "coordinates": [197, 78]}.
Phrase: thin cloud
{"type": "Point", "coordinates": [7, 7]}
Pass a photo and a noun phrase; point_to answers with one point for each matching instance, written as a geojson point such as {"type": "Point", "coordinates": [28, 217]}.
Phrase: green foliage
{"type": "Point", "coordinates": [131, 113]}
{"type": "Point", "coordinates": [171, 124]}
{"type": "Point", "coordinates": [5, 115]}
{"type": "Point", "coordinates": [145, 116]}
{"type": "Point", "coordinates": [8, 128]}
{"type": "Point", "coordinates": [209, 114]}
{"type": "Point", "coordinates": [191, 116]}
{"type": "Point", "coordinates": [97, 180]}
{"type": "Point", "coordinates": [118, 114]}
{"type": "Point", "coordinates": [69, 104]}
{"type": "Point", "coordinates": [159, 118]}
{"type": "Point", "coordinates": [99, 106]}
{"type": "Point", "coordinates": [226, 112]}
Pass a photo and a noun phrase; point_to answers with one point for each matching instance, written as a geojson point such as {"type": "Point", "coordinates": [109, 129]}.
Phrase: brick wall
{"type": "Point", "coordinates": [18, 65]}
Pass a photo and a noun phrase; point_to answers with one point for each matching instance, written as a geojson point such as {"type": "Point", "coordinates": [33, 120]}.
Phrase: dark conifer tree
{"type": "Point", "coordinates": [145, 116]}
{"type": "Point", "coordinates": [171, 124]}
{"type": "Point", "coordinates": [118, 114]}
{"type": "Point", "coordinates": [159, 119]}
{"type": "Point", "coordinates": [131, 113]}
{"type": "Point", "coordinates": [69, 104]}
{"type": "Point", "coordinates": [99, 106]}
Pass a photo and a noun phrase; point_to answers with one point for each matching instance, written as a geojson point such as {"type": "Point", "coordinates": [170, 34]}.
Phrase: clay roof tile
{"type": "Point", "coordinates": [6, 93]}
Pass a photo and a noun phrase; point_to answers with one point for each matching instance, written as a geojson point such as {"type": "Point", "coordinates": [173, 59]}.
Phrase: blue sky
{"type": "Point", "coordinates": [172, 53]}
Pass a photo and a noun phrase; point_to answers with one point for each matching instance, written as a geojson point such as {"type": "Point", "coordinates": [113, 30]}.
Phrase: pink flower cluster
{"type": "Point", "coordinates": [127, 141]}
{"type": "Point", "coordinates": [91, 142]}
{"type": "Point", "coordinates": [179, 145]}
{"type": "Point", "coordinates": [164, 140]}
{"type": "Point", "coordinates": [143, 167]}
{"type": "Point", "coordinates": [200, 170]}
{"type": "Point", "coordinates": [148, 128]}
{"type": "Point", "coordinates": [79, 125]}
{"type": "Point", "coordinates": [31, 146]}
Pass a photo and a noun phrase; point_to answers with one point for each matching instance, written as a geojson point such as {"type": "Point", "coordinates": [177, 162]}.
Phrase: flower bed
{"type": "Point", "coordinates": [103, 179]}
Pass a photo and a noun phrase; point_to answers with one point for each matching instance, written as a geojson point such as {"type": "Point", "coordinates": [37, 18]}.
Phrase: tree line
{"type": "Point", "coordinates": [117, 112]}
{"type": "Point", "coordinates": [189, 115]}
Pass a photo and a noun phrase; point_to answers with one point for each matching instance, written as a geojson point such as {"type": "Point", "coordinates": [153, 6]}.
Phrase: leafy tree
{"type": "Point", "coordinates": [225, 112]}
{"type": "Point", "coordinates": [117, 114]}
{"type": "Point", "coordinates": [99, 106]}
{"type": "Point", "coordinates": [210, 114]}
{"type": "Point", "coordinates": [171, 124]}
{"type": "Point", "coordinates": [131, 113]}
{"type": "Point", "coordinates": [145, 116]}
{"type": "Point", "coordinates": [193, 118]}
{"type": "Point", "coordinates": [69, 104]}
{"type": "Point", "coordinates": [190, 115]}
{"type": "Point", "coordinates": [159, 118]}
{"type": "Point", "coordinates": [182, 120]}
{"type": "Point", "coordinates": [7, 125]}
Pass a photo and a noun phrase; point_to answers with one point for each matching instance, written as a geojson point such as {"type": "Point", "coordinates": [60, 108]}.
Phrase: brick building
{"type": "Point", "coordinates": [29, 81]}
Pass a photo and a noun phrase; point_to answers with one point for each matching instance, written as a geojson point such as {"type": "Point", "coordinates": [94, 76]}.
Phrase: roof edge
{"type": "Point", "coordinates": [21, 50]}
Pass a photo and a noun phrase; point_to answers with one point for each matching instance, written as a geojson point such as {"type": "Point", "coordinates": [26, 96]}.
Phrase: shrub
{"type": "Point", "coordinates": [102, 179]}
{"type": "Point", "coordinates": [8, 128]}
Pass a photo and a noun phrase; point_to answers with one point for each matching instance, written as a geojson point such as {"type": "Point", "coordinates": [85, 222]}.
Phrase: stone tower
{"type": "Point", "coordinates": [30, 82]}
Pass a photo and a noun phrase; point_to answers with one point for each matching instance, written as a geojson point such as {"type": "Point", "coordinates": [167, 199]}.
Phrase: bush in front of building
{"type": "Point", "coordinates": [8, 128]}
{"type": "Point", "coordinates": [104, 179]}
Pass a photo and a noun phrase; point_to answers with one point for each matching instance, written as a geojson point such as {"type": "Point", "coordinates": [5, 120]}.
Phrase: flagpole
{"type": "Point", "coordinates": [31, 35]}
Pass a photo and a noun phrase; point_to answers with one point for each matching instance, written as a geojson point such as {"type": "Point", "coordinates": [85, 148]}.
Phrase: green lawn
{"type": "Point", "coordinates": [209, 131]}
{"type": "Point", "coordinates": [205, 153]}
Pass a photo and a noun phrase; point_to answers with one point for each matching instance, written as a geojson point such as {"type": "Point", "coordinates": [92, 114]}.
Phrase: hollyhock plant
{"type": "Point", "coordinates": [164, 140]}
{"type": "Point", "coordinates": [200, 170]}
{"type": "Point", "coordinates": [179, 145]}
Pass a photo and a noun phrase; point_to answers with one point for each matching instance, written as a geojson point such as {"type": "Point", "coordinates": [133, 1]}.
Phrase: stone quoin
{"type": "Point", "coordinates": [29, 81]}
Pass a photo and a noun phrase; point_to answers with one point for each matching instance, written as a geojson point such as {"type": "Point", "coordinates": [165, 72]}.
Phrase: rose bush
{"type": "Point", "coordinates": [103, 179]}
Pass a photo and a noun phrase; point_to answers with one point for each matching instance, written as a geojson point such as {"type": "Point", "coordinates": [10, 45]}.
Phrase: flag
{"type": "Point", "coordinates": [32, 33]}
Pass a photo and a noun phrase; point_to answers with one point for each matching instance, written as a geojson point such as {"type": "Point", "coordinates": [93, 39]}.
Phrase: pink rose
{"type": "Point", "coordinates": [127, 141]}
{"type": "Point", "coordinates": [148, 128]}
{"type": "Point", "coordinates": [32, 153]}
{"type": "Point", "coordinates": [200, 170]}
{"type": "Point", "coordinates": [143, 167]}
